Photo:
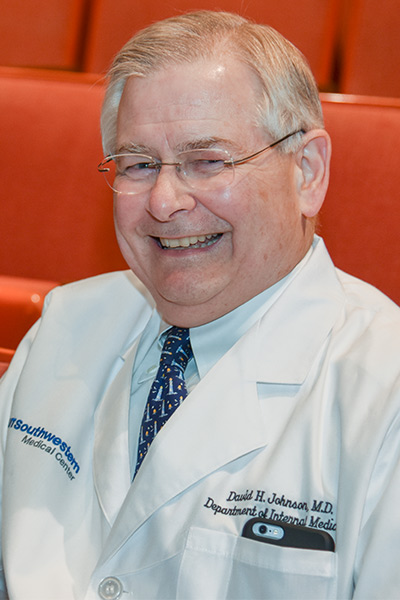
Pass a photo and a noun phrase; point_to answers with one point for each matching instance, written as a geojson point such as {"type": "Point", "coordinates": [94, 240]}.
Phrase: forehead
{"type": "Point", "coordinates": [213, 97]}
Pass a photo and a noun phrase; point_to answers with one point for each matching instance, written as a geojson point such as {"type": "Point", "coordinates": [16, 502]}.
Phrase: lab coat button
{"type": "Point", "coordinates": [110, 589]}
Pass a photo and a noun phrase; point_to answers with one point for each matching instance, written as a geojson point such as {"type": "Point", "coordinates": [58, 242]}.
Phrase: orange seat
{"type": "Point", "coordinates": [55, 75]}
{"type": "Point", "coordinates": [360, 219]}
{"type": "Point", "coordinates": [309, 24]}
{"type": "Point", "coordinates": [371, 48]}
{"type": "Point", "coordinates": [56, 221]}
{"type": "Point", "coordinates": [6, 355]}
{"type": "Point", "coordinates": [21, 302]}
{"type": "Point", "coordinates": [39, 33]}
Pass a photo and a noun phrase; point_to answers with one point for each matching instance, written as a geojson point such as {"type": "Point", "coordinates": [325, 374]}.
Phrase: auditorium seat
{"type": "Point", "coordinates": [370, 54]}
{"type": "Point", "coordinates": [39, 33]}
{"type": "Point", "coordinates": [21, 302]}
{"type": "Point", "coordinates": [360, 219]}
{"type": "Point", "coordinates": [309, 24]}
{"type": "Point", "coordinates": [56, 219]}
{"type": "Point", "coordinates": [6, 355]}
{"type": "Point", "coordinates": [55, 75]}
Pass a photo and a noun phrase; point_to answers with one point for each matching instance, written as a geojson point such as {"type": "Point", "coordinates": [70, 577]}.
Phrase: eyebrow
{"type": "Point", "coordinates": [206, 142]}
{"type": "Point", "coordinates": [133, 148]}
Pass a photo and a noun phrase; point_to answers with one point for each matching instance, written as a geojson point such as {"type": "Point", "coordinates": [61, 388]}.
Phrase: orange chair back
{"type": "Point", "coordinates": [21, 303]}
{"type": "Point", "coordinates": [5, 358]}
{"type": "Point", "coordinates": [56, 221]}
{"type": "Point", "coordinates": [310, 24]}
{"type": "Point", "coordinates": [39, 33]}
{"type": "Point", "coordinates": [360, 219]}
{"type": "Point", "coordinates": [371, 48]}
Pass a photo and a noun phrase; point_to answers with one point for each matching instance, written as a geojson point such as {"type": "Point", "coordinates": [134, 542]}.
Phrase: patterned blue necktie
{"type": "Point", "coordinates": [168, 389]}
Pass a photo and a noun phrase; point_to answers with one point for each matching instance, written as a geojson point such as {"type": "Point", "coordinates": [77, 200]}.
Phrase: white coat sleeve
{"type": "Point", "coordinates": [377, 573]}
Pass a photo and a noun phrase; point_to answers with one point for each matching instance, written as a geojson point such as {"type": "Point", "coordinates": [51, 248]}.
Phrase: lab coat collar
{"type": "Point", "coordinates": [150, 330]}
{"type": "Point", "coordinates": [289, 335]}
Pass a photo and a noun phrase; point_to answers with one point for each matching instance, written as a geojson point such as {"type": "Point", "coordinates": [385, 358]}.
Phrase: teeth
{"type": "Point", "coordinates": [185, 242]}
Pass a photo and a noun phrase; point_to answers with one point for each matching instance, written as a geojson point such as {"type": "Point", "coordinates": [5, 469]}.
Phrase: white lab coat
{"type": "Point", "coordinates": [298, 421]}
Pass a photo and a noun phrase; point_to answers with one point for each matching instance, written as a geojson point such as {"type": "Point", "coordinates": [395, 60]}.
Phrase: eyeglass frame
{"type": "Point", "coordinates": [158, 165]}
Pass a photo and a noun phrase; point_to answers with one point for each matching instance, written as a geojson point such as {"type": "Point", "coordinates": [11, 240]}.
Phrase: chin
{"type": "Point", "coordinates": [186, 289]}
{"type": "Point", "coordinates": [186, 309]}
{"type": "Point", "coordinates": [183, 299]}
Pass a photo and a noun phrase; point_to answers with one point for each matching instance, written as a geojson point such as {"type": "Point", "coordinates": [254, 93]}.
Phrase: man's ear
{"type": "Point", "coordinates": [313, 160]}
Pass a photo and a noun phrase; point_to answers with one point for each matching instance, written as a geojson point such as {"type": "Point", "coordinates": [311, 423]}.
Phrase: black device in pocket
{"type": "Point", "coordinates": [286, 534]}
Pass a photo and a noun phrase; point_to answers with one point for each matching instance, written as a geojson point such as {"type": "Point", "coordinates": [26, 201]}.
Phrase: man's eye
{"type": "Point", "coordinates": [135, 168]}
{"type": "Point", "coordinates": [206, 166]}
{"type": "Point", "coordinates": [140, 165]}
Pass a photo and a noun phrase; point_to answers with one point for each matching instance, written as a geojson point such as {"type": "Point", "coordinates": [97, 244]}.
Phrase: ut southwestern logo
{"type": "Point", "coordinates": [47, 442]}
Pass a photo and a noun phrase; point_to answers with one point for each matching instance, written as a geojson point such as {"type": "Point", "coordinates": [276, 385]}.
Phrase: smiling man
{"type": "Point", "coordinates": [203, 252]}
{"type": "Point", "coordinates": [229, 408]}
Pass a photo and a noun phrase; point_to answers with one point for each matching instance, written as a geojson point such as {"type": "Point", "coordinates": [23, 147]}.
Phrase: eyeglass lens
{"type": "Point", "coordinates": [200, 169]}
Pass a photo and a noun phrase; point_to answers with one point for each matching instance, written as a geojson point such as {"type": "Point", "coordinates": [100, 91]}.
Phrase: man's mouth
{"type": "Point", "coordinates": [194, 241]}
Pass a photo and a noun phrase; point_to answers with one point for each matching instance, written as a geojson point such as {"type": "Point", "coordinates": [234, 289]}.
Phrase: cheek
{"type": "Point", "coordinates": [127, 214]}
{"type": "Point", "coordinates": [264, 219]}
{"type": "Point", "coordinates": [234, 206]}
{"type": "Point", "coordinates": [127, 219]}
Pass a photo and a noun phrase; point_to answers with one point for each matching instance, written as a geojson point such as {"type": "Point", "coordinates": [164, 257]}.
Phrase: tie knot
{"type": "Point", "coordinates": [177, 350]}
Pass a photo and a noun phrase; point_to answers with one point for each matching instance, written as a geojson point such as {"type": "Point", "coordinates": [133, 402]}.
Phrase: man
{"type": "Point", "coordinates": [277, 476]}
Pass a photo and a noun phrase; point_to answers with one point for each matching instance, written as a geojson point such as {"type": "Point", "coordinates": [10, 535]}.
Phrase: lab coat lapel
{"type": "Point", "coordinates": [111, 457]}
{"type": "Point", "coordinates": [217, 423]}
{"type": "Point", "coordinates": [111, 451]}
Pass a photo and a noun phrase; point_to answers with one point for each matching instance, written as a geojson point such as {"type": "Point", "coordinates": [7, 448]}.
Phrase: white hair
{"type": "Point", "coordinates": [289, 95]}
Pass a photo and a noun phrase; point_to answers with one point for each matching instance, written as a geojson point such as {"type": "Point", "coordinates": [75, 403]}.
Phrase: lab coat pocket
{"type": "Point", "coordinates": [219, 565]}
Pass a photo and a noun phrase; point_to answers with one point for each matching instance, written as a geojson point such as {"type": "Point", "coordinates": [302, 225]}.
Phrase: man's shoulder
{"type": "Point", "coordinates": [116, 303]}
{"type": "Point", "coordinates": [113, 291]}
{"type": "Point", "coordinates": [106, 285]}
{"type": "Point", "coordinates": [363, 296]}
{"type": "Point", "coordinates": [369, 328]}
{"type": "Point", "coordinates": [85, 329]}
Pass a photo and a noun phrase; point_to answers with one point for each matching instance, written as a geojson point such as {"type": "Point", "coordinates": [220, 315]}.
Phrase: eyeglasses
{"type": "Point", "coordinates": [203, 170]}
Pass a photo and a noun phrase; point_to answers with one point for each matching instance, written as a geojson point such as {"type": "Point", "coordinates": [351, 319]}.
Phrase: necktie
{"type": "Point", "coordinates": [168, 389]}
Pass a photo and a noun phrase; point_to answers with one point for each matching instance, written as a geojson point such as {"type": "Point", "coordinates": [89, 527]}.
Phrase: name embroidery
{"type": "Point", "coordinates": [318, 514]}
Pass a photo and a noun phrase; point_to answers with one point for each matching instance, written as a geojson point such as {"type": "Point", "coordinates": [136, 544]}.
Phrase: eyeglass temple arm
{"type": "Point", "coordinates": [243, 160]}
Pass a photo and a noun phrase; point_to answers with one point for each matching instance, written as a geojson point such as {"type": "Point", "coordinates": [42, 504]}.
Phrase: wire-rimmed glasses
{"type": "Point", "coordinates": [204, 169]}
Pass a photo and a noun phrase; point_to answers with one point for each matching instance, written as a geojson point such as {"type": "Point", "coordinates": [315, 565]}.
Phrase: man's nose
{"type": "Point", "coordinates": [169, 195]}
